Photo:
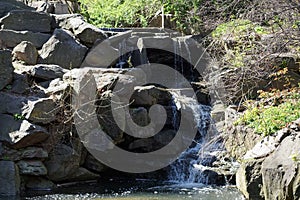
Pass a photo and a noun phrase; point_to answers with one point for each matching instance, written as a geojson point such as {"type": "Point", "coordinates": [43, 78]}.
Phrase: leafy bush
{"type": "Point", "coordinates": [119, 13]}
{"type": "Point", "coordinates": [237, 28]}
{"type": "Point", "coordinates": [272, 115]}
{"type": "Point", "coordinates": [135, 13]}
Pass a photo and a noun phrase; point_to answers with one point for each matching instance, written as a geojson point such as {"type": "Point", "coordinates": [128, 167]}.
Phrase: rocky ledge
{"type": "Point", "coordinates": [269, 166]}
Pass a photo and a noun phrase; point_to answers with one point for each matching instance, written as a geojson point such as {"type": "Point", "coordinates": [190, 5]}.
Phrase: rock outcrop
{"type": "Point", "coordinates": [26, 20]}
{"type": "Point", "coordinates": [62, 49]}
{"type": "Point", "coordinates": [44, 59]}
{"type": "Point", "coordinates": [270, 170]}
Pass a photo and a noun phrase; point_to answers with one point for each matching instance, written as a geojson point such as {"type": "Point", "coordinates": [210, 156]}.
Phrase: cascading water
{"type": "Point", "coordinates": [183, 170]}
{"type": "Point", "coordinates": [188, 168]}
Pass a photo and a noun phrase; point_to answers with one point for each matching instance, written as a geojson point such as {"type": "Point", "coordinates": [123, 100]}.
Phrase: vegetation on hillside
{"type": "Point", "coordinates": [274, 111]}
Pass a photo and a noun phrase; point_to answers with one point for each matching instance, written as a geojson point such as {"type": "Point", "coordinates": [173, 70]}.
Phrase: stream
{"type": "Point", "coordinates": [140, 190]}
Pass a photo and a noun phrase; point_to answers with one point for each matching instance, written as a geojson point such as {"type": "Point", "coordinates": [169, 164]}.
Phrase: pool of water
{"type": "Point", "coordinates": [139, 190]}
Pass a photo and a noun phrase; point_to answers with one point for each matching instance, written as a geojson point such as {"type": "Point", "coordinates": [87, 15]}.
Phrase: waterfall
{"type": "Point", "coordinates": [190, 165]}
{"type": "Point", "coordinates": [184, 169]}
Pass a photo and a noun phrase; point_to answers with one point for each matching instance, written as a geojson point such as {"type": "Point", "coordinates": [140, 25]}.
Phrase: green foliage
{"type": "Point", "coordinates": [8, 87]}
{"type": "Point", "coordinates": [294, 157]}
{"type": "Point", "coordinates": [184, 13]}
{"type": "Point", "coordinates": [237, 39]}
{"type": "Point", "coordinates": [267, 119]}
{"type": "Point", "coordinates": [18, 116]}
{"type": "Point", "coordinates": [119, 13]}
{"type": "Point", "coordinates": [135, 13]}
{"type": "Point", "coordinates": [237, 28]}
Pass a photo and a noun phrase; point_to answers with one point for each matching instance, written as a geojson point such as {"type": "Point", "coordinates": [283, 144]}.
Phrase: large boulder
{"type": "Point", "coordinates": [238, 139]}
{"type": "Point", "coordinates": [20, 133]}
{"type": "Point", "coordinates": [11, 38]}
{"type": "Point", "coordinates": [47, 72]}
{"type": "Point", "coordinates": [42, 110]}
{"type": "Point", "coordinates": [102, 54]}
{"type": "Point", "coordinates": [62, 49]}
{"type": "Point", "coordinates": [64, 164]}
{"type": "Point", "coordinates": [8, 5]}
{"type": "Point", "coordinates": [26, 52]}
{"type": "Point", "coordinates": [26, 20]}
{"type": "Point", "coordinates": [280, 171]}
{"type": "Point", "coordinates": [249, 179]}
{"type": "Point", "coordinates": [270, 170]}
{"type": "Point", "coordinates": [9, 179]}
{"type": "Point", "coordinates": [149, 95]}
{"type": "Point", "coordinates": [85, 32]}
{"type": "Point", "coordinates": [6, 68]}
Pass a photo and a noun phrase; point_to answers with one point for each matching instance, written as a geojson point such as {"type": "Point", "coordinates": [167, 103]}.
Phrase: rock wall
{"type": "Point", "coordinates": [269, 166]}
{"type": "Point", "coordinates": [40, 59]}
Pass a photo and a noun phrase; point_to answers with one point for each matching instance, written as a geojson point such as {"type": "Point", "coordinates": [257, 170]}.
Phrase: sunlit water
{"type": "Point", "coordinates": [141, 190]}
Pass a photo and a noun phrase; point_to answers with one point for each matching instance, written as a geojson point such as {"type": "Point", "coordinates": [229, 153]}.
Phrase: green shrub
{"type": "Point", "coordinates": [136, 13]}
{"type": "Point", "coordinates": [119, 13]}
{"type": "Point", "coordinates": [237, 28]}
{"type": "Point", "coordinates": [267, 119]}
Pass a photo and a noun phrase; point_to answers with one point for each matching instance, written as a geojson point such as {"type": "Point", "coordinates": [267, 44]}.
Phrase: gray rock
{"type": "Point", "coordinates": [82, 174]}
{"type": "Point", "coordinates": [267, 145]}
{"type": "Point", "coordinates": [149, 95]}
{"type": "Point", "coordinates": [59, 89]}
{"type": "Point", "coordinates": [106, 118]}
{"type": "Point", "coordinates": [26, 52]}
{"type": "Point", "coordinates": [139, 116]}
{"type": "Point", "coordinates": [151, 144]}
{"type": "Point", "coordinates": [47, 72]}
{"type": "Point", "coordinates": [239, 139]}
{"type": "Point", "coordinates": [291, 60]}
{"type": "Point", "coordinates": [6, 68]}
{"type": "Point", "coordinates": [61, 21]}
{"type": "Point", "coordinates": [61, 7]}
{"type": "Point", "coordinates": [25, 153]}
{"type": "Point", "coordinates": [30, 167]}
{"type": "Point", "coordinates": [26, 20]}
{"type": "Point", "coordinates": [9, 179]}
{"type": "Point", "coordinates": [218, 112]}
{"type": "Point", "coordinates": [249, 179]}
{"type": "Point", "coordinates": [280, 170]}
{"type": "Point", "coordinates": [20, 133]}
{"type": "Point", "coordinates": [62, 163]}
{"type": "Point", "coordinates": [11, 104]}
{"type": "Point", "coordinates": [43, 6]}
{"type": "Point", "coordinates": [85, 32]}
{"type": "Point", "coordinates": [20, 84]}
{"type": "Point", "coordinates": [93, 164]}
{"type": "Point", "coordinates": [101, 55]}
{"type": "Point", "coordinates": [8, 5]}
{"type": "Point", "coordinates": [11, 38]}
{"type": "Point", "coordinates": [38, 183]}
{"type": "Point", "coordinates": [42, 110]}
{"type": "Point", "coordinates": [62, 49]}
